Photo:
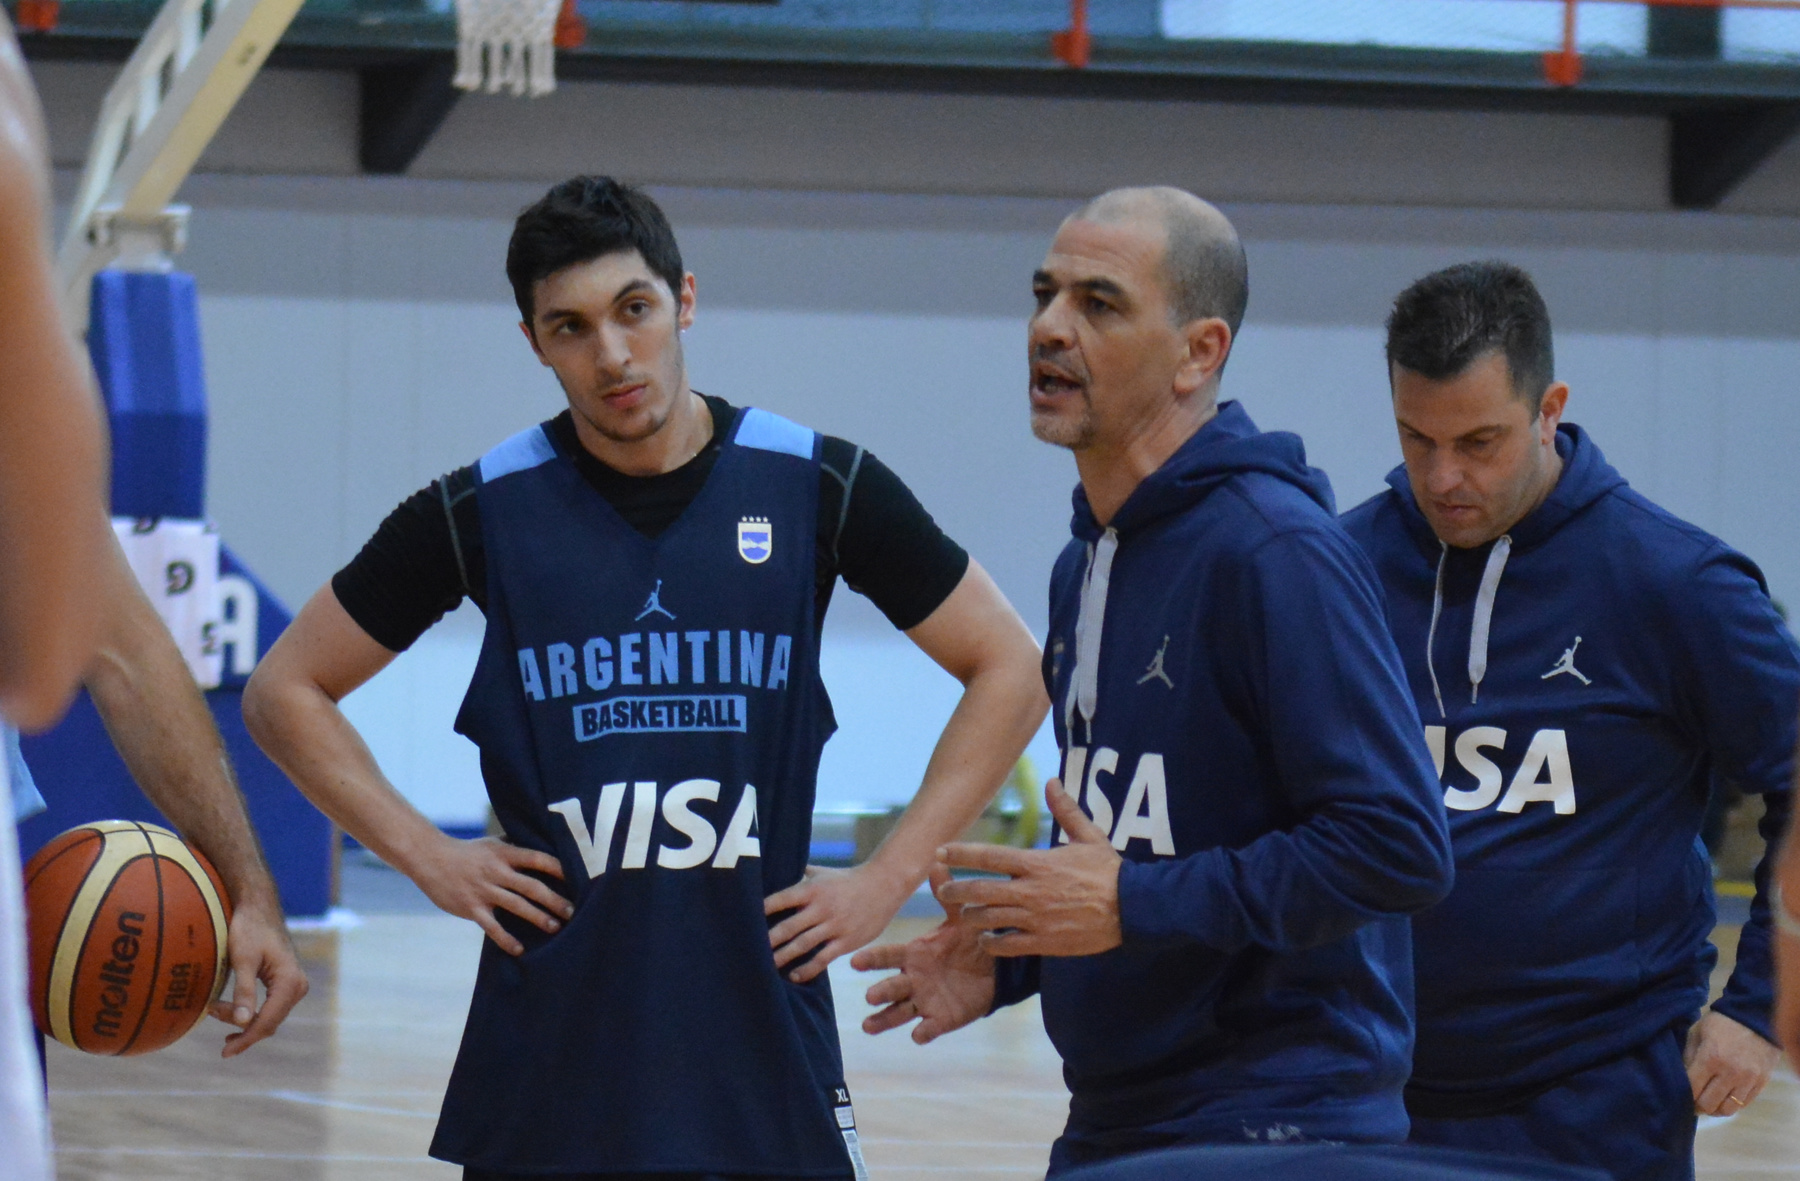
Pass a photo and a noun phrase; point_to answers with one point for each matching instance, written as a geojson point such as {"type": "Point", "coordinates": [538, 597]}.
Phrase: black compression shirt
{"type": "Point", "coordinates": [872, 530]}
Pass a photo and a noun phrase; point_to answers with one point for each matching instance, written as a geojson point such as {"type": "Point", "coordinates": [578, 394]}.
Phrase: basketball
{"type": "Point", "coordinates": [127, 937]}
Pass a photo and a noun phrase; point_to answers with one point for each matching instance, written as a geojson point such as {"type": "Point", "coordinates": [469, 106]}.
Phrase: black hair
{"type": "Point", "coordinates": [1452, 318]}
{"type": "Point", "coordinates": [584, 218]}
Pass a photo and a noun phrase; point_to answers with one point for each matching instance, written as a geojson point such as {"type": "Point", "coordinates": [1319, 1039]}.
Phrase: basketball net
{"type": "Point", "coordinates": [511, 44]}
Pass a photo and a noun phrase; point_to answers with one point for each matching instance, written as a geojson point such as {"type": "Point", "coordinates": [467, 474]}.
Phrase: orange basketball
{"type": "Point", "coordinates": [127, 932]}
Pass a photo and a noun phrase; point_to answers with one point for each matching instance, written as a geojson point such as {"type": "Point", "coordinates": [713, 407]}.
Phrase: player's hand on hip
{"type": "Point", "coordinates": [472, 879]}
{"type": "Point", "coordinates": [260, 951]}
{"type": "Point", "coordinates": [1057, 901]}
{"type": "Point", "coordinates": [836, 911]}
{"type": "Point", "coordinates": [1728, 1064]}
{"type": "Point", "coordinates": [944, 980]}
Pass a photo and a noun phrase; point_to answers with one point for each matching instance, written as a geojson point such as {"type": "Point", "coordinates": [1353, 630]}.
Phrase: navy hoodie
{"type": "Point", "coordinates": [1630, 658]}
{"type": "Point", "coordinates": [1249, 744]}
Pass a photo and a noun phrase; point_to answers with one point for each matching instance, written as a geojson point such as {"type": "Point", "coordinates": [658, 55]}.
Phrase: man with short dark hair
{"type": "Point", "coordinates": [654, 566]}
{"type": "Point", "coordinates": [1220, 936]}
{"type": "Point", "coordinates": [1586, 664]}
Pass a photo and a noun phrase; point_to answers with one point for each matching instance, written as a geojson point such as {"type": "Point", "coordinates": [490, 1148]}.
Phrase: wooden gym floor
{"type": "Point", "coordinates": [349, 1089]}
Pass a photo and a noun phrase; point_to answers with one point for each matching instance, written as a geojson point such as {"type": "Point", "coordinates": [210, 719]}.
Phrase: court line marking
{"type": "Point", "coordinates": [362, 1158]}
{"type": "Point", "coordinates": [341, 1105]}
{"type": "Point", "coordinates": [1031, 1145]}
{"type": "Point", "coordinates": [246, 1154]}
{"type": "Point", "coordinates": [872, 1091]}
{"type": "Point", "coordinates": [1033, 1171]}
{"type": "Point", "coordinates": [230, 1093]}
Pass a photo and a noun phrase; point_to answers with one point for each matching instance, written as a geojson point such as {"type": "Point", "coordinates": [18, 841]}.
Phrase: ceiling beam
{"type": "Point", "coordinates": [403, 104]}
{"type": "Point", "coordinates": [1711, 152]}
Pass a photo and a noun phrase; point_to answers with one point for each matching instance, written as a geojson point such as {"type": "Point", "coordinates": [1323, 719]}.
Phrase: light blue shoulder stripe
{"type": "Point", "coordinates": [771, 432]}
{"type": "Point", "coordinates": [26, 802]}
{"type": "Point", "coordinates": [527, 449]}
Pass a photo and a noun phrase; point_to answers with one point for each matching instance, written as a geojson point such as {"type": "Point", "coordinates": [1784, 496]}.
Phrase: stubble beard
{"type": "Point", "coordinates": [649, 427]}
{"type": "Point", "coordinates": [1075, 434]}
{"type": "Point", "coordinates": [653, 422]}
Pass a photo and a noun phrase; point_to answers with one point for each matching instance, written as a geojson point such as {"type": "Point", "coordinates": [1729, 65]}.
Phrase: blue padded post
{"type": "Point", "coordinates": [144, 338]}
{"type": "Point", "coordinates": [82, 778]}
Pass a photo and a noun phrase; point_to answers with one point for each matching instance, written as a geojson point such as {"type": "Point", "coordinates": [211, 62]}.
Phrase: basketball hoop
{"type": "Point", "coordinates": [511, 44]}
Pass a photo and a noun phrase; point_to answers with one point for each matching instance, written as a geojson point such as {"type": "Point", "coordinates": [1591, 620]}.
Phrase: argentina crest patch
{"type": "Point", "coordinates": [756, 540]}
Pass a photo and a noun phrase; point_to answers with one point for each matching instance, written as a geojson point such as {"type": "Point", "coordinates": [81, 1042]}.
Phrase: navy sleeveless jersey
{"type": "Point", "coordinates": [650, 712]}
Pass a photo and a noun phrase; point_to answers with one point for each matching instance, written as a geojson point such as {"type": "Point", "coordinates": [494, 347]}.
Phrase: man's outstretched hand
{"type": "Point", "coordinates": [944, 979]}
{"type": "Point", "coordinates": [1058, 901]}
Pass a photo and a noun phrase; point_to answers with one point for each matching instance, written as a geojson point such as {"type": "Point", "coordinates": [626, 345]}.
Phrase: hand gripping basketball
{"type": "Point", "coordinates": [127, 929]}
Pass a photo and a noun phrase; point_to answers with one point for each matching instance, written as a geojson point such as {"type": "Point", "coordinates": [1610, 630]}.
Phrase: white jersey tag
{"type": "Point", "coordinates": [846, 1120]}
{"type": "Point", "coordinates": [177, 563]}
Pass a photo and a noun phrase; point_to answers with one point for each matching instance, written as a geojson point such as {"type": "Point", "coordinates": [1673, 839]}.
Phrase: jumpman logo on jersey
{"type": "Point", "coordinates": [653, 605]}
{"type": "Point", "coordinates": [1156, 672]}
{"type": "Point", "coordinates": [1567, 665]}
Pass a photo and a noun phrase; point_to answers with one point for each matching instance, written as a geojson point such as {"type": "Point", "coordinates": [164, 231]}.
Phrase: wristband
{"type": "Point", "coordinates": [1785, 920]}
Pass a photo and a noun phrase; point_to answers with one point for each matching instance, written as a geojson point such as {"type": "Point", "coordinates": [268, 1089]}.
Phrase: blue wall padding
{"type": "Point", "coordinates": [82, 778]}
{"type": "Point", "coordinates": [144, 338]}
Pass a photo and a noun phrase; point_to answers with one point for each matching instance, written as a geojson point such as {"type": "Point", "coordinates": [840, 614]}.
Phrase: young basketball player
{"type": "Point", "coordinates": [1221, 947]}
{"type": "Point", "coordinates": [1586, 665]}
{"type": "Point", "coordinates": [654, 566]}
{"type": "Point", "coordinates": [52, 529]}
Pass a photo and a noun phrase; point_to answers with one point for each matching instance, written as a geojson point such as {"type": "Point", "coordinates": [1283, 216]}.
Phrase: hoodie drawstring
{"type": "Point", "coordinates": [1437, 609]}
{"type": "Point", "coordinates": [1084, 686]}
{"type": "Point", "coordinates": [1482, 623]}
{"type": "Point", "coordinates": [1484, 614]}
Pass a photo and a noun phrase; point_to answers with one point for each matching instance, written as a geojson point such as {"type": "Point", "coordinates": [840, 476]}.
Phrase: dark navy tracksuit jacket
{"type": "Point", "coordinates": [1246, 737]}
{"type": "Point", "coordinates": [1631, 659]}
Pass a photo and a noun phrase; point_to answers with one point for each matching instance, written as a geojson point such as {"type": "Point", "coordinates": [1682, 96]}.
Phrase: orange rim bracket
{"type": "Point", "coordinates": [1072, 45]}
{"type": "Point", "coordinates": [1563, 67]}
{"type": "Point", "coordinates": [37, 16]}
{"type": "Point", "coordinates": [571, 27]}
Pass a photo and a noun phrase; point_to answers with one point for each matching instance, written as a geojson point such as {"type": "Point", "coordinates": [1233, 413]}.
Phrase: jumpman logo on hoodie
{"type": "Point", "coordinates": [1567, 665]}
{"type": "Point", "coordinates": [1156, 672]}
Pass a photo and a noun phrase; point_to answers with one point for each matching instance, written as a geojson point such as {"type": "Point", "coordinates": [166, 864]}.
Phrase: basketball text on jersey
{"type": "Point", "coordinates": [703, 845]}
{"type": "Point", "coordinates": [753, 659]}
{"type": "Point", "coordinates": [667, 715]}
{"type": "Point", "coordinates": [1542, 776]}
{"type": "Point", "coordinates": [1144, 816]}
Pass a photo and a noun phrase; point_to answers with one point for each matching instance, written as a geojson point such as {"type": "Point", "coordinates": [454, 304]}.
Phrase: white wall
{"type": "Point", "coordinates": [360, 341]}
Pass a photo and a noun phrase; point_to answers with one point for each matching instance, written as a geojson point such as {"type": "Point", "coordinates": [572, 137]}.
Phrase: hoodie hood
{"type": "Point", "coordinates": [1228, 445]}
{"type": "Point", "coordinates": [1585, 478]}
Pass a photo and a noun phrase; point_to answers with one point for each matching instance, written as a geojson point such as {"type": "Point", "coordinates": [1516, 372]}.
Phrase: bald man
{"type": "Point", "coordinates": [1219, 932]}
